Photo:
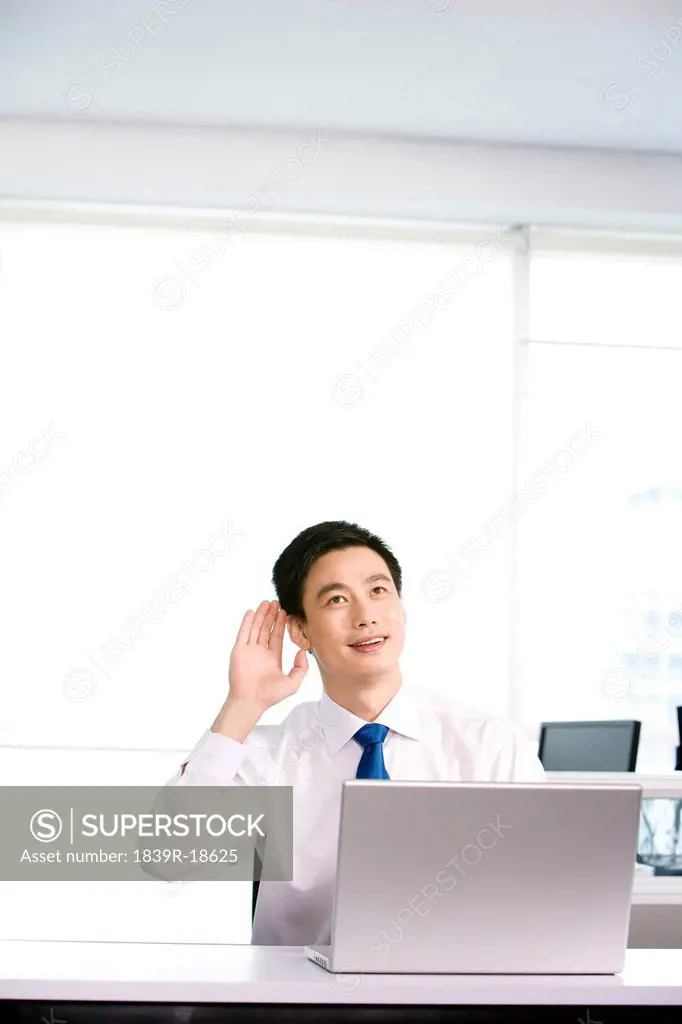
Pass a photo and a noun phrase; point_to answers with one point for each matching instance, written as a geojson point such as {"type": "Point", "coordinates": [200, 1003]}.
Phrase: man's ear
{"type": "Point", "coordinates": [297, 633]}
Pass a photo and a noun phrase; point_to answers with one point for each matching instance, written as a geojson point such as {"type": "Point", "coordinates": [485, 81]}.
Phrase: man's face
{"type": "Point", "coordinates": [349, 595]}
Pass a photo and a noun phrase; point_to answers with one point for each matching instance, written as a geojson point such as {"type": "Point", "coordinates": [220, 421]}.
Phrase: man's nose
{"type": "Point", "coordinates": [365, 617]}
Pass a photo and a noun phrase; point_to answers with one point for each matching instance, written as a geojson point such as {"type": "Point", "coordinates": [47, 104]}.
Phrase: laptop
{"type": "Point", "coordinates": [483, 878]}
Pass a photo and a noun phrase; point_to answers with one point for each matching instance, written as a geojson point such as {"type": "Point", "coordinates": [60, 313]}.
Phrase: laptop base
{"type": "Point", "coordinates": [319, 955]}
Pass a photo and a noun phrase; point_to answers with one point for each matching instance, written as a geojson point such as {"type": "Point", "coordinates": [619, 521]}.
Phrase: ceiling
{"type": "Point", "coordinates": [599, 74]}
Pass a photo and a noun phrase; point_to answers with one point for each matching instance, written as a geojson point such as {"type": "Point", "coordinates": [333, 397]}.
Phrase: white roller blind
{"type": "Point", "coordinates": [205, 396]}
{"type": "Point", "coordinates": [600, 596]}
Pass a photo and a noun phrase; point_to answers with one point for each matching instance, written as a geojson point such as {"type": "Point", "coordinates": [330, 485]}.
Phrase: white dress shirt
{"type": "Point", "coordinates": [430, 737]}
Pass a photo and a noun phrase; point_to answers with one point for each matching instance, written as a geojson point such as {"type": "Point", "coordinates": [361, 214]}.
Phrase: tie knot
{"type": "Point", "coordinates": [371, 733]}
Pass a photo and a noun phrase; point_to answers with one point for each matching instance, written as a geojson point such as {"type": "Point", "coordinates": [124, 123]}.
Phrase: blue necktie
{"type": "Point", "coordinates": [371, 737]}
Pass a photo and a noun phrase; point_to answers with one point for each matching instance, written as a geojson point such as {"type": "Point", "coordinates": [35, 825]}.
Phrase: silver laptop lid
{"type": "Point", "coordinates": [480, 877]}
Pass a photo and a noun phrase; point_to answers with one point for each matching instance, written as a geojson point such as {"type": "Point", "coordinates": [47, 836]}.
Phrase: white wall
{"type": "Point", "coordinates": [375, 177]}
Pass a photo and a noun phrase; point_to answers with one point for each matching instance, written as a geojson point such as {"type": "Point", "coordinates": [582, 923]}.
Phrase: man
{"type": "Point", "coordinates": [339, 594]}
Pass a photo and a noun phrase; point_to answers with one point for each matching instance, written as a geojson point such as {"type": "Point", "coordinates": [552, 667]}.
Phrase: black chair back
{"type": "Point", "coordinates": [257, 869]}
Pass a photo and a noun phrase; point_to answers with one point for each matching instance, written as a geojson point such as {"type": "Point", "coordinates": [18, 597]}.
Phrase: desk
{"type": "Point", "coordinates": [97, 982]}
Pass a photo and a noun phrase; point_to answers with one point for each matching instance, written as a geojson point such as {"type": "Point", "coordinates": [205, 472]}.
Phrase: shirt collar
{"type": "Point", "coordinates": [401, 715]}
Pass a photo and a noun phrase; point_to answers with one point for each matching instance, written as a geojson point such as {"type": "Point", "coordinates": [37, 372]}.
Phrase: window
{"type": "Point", "coordinates": [203, 402]}
{"type": "Point", "coordinates": [599, 556]}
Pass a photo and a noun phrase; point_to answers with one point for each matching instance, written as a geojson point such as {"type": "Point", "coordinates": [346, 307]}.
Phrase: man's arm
{"type": "Point", "coordinates": [257, 683]}
{"type": "Point", "coordinates": [524, 763]}
{"type": "Point", "coordinates": [230, 753]}
{"type": "Point", "coordinates": [507, 755]}
{"type": "Point", "coordinates": [221, 751]}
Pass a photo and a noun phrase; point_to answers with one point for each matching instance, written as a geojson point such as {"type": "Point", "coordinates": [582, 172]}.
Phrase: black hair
{"type": "Point", "coordinates": [294, 564]}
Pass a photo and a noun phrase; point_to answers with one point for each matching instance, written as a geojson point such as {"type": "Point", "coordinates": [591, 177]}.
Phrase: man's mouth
{"type": "Point", "coordinates": [369, 646]}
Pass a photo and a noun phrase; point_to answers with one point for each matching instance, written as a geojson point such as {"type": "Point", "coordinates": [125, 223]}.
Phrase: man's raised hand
{"type": "Point", "coordinates": [256, 674]}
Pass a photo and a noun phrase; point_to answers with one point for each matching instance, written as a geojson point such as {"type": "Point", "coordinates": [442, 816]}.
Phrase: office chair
{"type": "Point", "coordinates": [257, 869]}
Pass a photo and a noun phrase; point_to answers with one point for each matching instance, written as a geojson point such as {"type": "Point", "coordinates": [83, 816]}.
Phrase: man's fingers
{"type": "Point", "coordinates": [254, 632]}
{"type": "Point", "coordinates": [245, 628]}
{"type": "Point", "coordinates": [300, 668]}
{"type": "Point", "coordinates": [256, 626]}
{"type": "Point", "coordinates": [277, 635]}
{"type": "Point", "coordinates": [264, 634]}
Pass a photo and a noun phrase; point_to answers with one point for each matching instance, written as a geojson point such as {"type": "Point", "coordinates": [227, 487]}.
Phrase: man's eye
{"type": "Point", "coordinates": [379, 587]}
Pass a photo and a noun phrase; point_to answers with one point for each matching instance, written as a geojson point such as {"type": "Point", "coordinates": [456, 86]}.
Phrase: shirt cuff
{"type": "Point", "coordinates": [214, 759]}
